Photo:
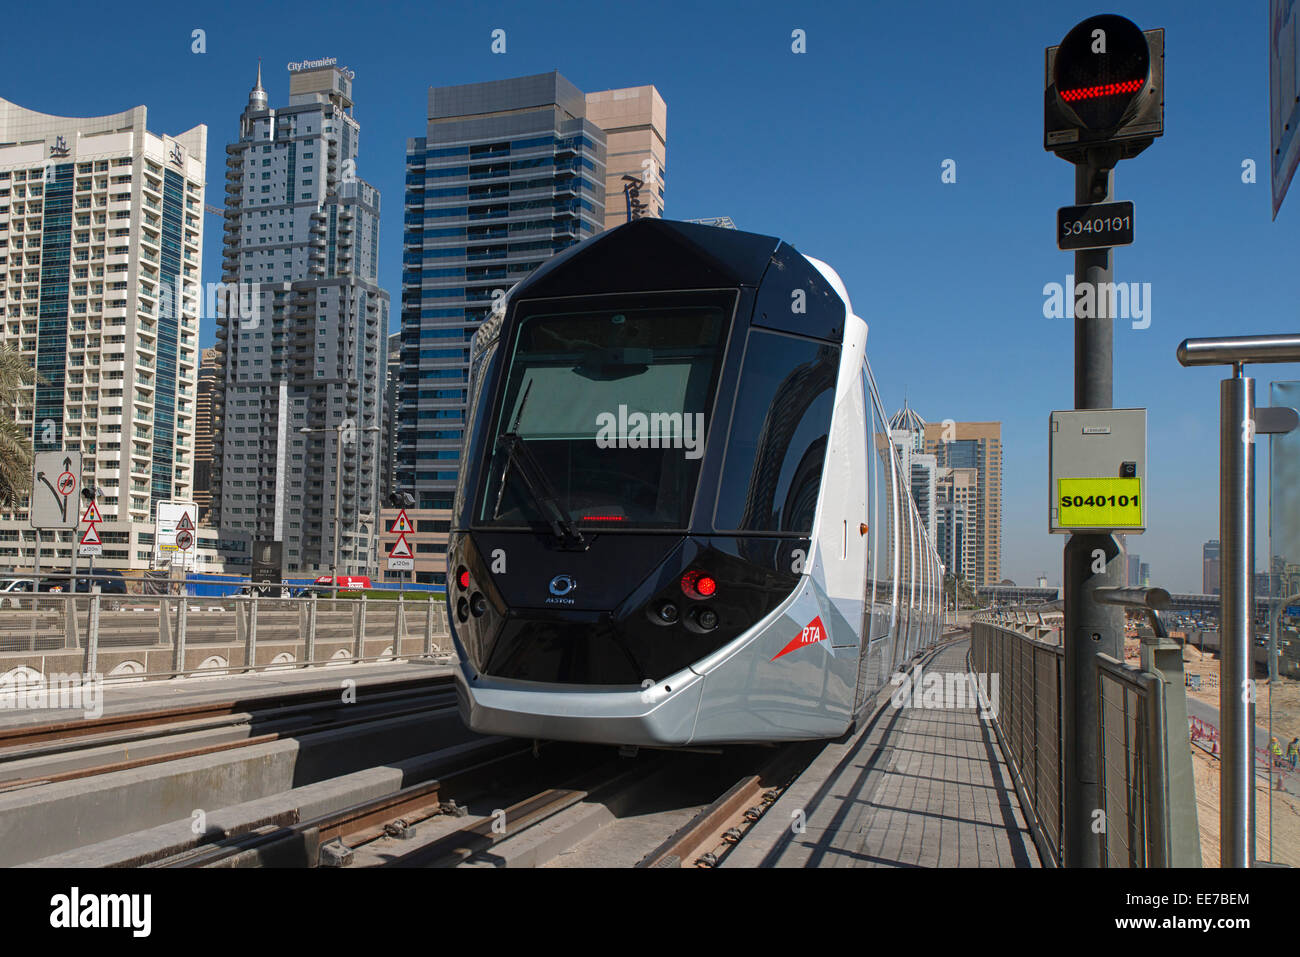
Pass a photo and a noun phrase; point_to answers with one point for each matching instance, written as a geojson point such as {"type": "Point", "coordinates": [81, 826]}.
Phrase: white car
{"type": "Point", "coordinates": [10, 590]}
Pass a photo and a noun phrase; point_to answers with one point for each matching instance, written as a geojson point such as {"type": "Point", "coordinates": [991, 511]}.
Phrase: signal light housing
{"type": "Point", "coordinates": [1104, 85]}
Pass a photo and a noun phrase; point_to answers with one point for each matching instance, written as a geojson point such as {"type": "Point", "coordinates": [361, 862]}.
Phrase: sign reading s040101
{"type": "Point", "coordinates": [1099, 502]}
{"type": "Point", "coordinates": [1097, 226]}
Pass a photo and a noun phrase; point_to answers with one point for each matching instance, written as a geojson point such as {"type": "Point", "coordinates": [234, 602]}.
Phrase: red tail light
{"type": "Point", "coordinates": [463, 578]}
{"type": "Point", "coordinates": [698, 585]}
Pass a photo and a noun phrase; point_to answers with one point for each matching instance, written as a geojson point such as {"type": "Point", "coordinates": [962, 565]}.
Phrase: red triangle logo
{"type": "Point", "coordinates": [401, 548]}
{"type": "Point", "coordinates": [402, 524]}
{"type": "Point", "coordinates": [185, 525]}
{"type": "Point", "coordinates": [91, 537]}
{"type": "Point", "coordinates": [92, 514]}
{"type": "Point", "coordinates": [813, 632]}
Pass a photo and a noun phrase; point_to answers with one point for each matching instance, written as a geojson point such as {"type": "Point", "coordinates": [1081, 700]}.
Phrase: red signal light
{"type": "Point", "coordinates": [706, 586]}
{"type": "Point", "coordinates": [602, 518]}
{"type": "Point", "coordinates": [463, 578]}
{"type": "Point", "coordinates": [1096, 92]}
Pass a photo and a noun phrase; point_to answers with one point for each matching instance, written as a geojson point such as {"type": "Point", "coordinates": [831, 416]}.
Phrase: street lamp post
{"type": "Point", "coordinates": [338, 488]}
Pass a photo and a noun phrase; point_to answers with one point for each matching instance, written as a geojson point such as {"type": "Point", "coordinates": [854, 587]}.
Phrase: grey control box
{"type": "Point", "coordinates": [1097, 473]}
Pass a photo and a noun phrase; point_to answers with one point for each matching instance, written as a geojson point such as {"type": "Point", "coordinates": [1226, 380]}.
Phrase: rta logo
{"type": "Point", "coordinates": [812, 633]}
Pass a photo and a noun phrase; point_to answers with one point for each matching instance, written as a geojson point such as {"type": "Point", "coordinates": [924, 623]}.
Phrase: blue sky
{"type": "Point", "coordinates": [837, 150]}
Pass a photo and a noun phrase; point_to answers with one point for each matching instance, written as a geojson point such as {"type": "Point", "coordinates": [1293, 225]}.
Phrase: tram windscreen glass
{"type": "Point", "coordinates": [606, 411]}
{"type": "Point", "coordinates": [777, 446]}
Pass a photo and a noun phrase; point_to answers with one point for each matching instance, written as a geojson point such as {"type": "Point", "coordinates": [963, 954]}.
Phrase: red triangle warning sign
{"type": "Point", "coordinates": [401, 548]}
{"type": "Point", "coordinates": [403, 524]}
{"type": "Point", "coordinates": [813, 632]}
{"type": "Point", "coordinates": [91, 537]}
{"type": "Point", "coordinates": [92, 514]}
{"type": "Point", "coordinates": [185, 525]}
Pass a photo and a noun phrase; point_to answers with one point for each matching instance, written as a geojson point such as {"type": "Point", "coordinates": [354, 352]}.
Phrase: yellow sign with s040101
{"type": "Point", "coordinates": [1099, 502]}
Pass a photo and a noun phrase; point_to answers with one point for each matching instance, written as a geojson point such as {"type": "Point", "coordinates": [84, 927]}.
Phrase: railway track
{"type": "Point", "coordinates": [69, 750]}
{"type": "Point", "coordinates": [512, 804]}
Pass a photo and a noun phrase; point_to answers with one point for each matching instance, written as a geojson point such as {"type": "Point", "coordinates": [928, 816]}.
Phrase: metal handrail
{"type": "Point", "coordinates": [1238, 350]}
{"type": "Point", "coordinates": [1150, 600]}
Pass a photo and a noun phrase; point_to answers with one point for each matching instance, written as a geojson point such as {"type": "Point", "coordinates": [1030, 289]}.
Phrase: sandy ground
{"type": "Point", "coordinates": [1285, 809]}
{"type": "Point", "coordinates": [1285, 697]}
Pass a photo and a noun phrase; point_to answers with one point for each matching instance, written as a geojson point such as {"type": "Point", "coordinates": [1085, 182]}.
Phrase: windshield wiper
{"type": "Point", "coordinates": [539, 487]}
{"type": "Point", "coordinates": [535, 481]}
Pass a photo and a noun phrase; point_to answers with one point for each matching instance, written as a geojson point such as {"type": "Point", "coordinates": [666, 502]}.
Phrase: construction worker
{"type": "Point", "coordinates": [1293, 752]}
{"type": "Point", "coordinates": [1275, 747]}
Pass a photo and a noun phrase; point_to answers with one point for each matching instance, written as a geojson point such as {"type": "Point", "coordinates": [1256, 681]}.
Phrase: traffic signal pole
{"type": "Point", "coordinates": [1090, 561]}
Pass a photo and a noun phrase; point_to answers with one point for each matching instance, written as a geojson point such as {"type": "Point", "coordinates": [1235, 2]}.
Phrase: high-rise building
{"type": "Point", "coordinates": [1211, 567]}
{"type": "Point", "coordinates": [101, 241]}
{"type": "Point", "coordinates": [956, 505]}
{"type": "Point", "coordinates": [507, 173]}
{"type": "Point", "coordinates": [907, 432]}
{"type": "Point", "coordinates": [635, 122]}
{"type": "Point", "coordinates": [1144, 575]}
{"type": "Point", "coordinates": [976, 445]}
{"type": "Point", "coordinates": [204, 430]}
{"type": "Point", "coordinates": [1134, 570]}
{"type": "Point", "coordinates": [392, 377]}
{"type": "Point", "coordinates": [302, 333]}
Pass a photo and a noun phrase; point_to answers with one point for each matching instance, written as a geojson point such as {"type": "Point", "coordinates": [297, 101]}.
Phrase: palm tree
{"type": "Point", "coordinates": [15, 438]}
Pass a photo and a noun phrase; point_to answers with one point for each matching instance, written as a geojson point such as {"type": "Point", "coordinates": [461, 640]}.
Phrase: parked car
{"type": "Point", "coordinates": [11, 590]}
{"type": "Point", "coordinates": [110, 582]}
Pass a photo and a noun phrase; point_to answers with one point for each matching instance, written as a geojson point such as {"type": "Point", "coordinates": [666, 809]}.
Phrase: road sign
{"type": "Point", "coordinates": [1104, 85]}
{"type": "Point", "coordinates": [91, 544]}
{"type": "Point", "coordinates": [168, 523]}
{"type": "Point", "coordinates": [402, 524]}
{"type": "Point", "coordinates": [1094, 227]}
{"type": "Point", "coordinates": [400, 557]}
{"type": "Point", "coordinates": [184, 540]}
{"type": "Point", "coordinates": [92, 514]}
{"type": "Point", "coordinates": [54, 479]}
{"type": "Point", "coordinates": [1283, 95]}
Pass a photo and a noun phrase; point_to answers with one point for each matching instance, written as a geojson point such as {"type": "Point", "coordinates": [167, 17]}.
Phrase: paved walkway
{"type": "Point", "coordinates": [915, 787]}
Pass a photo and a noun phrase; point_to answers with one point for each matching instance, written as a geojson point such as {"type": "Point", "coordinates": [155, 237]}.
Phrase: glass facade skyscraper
{"type": "Point", "coordinates": [508, 173]}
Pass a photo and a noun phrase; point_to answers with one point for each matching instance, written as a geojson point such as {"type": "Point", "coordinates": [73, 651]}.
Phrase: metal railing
{"type": "Point", "coordinates": [1145, 810]}
{"type": "Point", "coordinates": [1028, 717]}
{"type": "Point", "coordinates": [155, 636]}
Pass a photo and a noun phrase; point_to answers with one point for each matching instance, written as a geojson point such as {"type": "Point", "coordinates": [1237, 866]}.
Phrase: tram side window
{"type": "Point", "coordinates": [886, 528]}
{"type": "Point", "coordinates": [777, 446]}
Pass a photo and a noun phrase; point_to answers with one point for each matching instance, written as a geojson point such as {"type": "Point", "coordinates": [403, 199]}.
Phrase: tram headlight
{"type": "Point", "coordinates": [478, 604]}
